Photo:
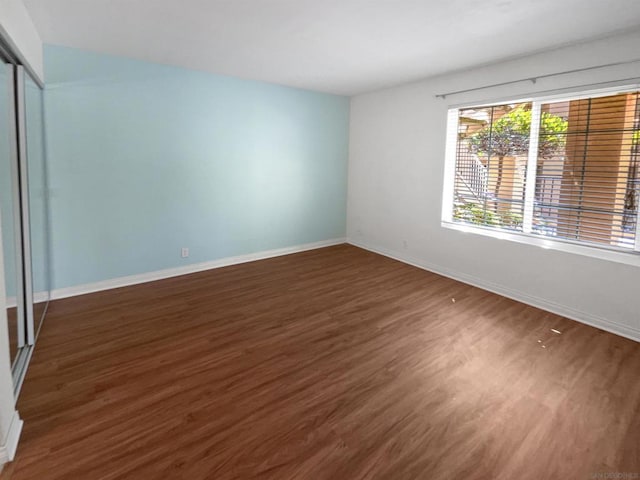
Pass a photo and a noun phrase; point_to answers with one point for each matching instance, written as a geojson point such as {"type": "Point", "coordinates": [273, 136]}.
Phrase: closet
{"type": "Point", "coordinates": [23, 209]}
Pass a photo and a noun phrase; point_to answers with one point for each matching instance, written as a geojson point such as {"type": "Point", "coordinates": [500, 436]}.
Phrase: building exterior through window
{"type": "Point", "coordinates": [568, 169]}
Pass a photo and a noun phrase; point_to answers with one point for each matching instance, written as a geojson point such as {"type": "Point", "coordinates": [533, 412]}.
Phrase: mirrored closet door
{"type": "Point", "coordinates": [23, 209]}
{"type": "Point", "coordinates": [38, 206]}
{"type": "Point", "coordinates": [10, 211]}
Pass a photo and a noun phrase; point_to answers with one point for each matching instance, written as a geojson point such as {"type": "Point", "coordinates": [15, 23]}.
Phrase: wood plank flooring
{"type": "Point", "coordinates": [329, 364]}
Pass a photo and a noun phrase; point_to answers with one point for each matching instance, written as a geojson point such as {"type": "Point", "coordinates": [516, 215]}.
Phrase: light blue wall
{"type": "Point", "coordinates": [145, 159]}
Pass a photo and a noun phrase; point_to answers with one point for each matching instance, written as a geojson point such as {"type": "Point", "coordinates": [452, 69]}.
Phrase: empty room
{"type": "Point", "coordinates": [319, 240]}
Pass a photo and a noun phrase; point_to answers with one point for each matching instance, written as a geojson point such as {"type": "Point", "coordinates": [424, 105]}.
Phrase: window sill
{"type": "Point", "coordinates": [628, 258]}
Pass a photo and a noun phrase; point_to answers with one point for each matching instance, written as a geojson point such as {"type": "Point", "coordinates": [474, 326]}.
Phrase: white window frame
{"type": "Point", "coordinates": [626, 256]}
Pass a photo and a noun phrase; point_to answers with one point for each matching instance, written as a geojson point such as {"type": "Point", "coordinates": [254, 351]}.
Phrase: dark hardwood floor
{"type": "Point", "coordinates": [330, 364]}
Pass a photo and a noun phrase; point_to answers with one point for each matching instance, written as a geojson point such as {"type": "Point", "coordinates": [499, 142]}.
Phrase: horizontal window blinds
{"type": "Point", "coordinates": [565, 169]}
{"type": "Point", "coordinates": [587, 188]}
{"type": "Point", "coordinates": [491, 164]}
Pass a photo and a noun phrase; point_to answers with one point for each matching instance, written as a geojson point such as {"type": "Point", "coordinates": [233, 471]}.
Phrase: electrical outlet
{"type": "Point", "coordinates": [184, 253]}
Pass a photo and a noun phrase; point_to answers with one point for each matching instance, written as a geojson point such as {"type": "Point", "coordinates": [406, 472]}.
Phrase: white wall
{"type": "Point", "coordinates": [18, 30]}
{"type": "Point", "coordinates": [396, 168]}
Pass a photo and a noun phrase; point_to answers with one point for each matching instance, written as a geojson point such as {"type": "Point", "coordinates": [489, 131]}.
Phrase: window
{"type": "Point", "coordinates": [562, 168]}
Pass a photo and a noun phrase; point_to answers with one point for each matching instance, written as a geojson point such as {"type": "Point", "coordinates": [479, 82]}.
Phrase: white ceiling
{"type": "Point", "coordinates": [338, 46]}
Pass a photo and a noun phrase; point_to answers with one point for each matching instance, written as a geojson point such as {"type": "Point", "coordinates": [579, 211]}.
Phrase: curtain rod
{"type": "Point", "coordinates": [535, 79]}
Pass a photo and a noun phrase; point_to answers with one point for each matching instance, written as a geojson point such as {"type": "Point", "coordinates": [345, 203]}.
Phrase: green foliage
{"type": "Point", "coordinates": [477, 215]}
{"type": "Point", "coordinates": [511, 220]}
{"type": "Point", "coordinates": [473, 213]}
{"type": "Point", "coordinates": [509, 135]}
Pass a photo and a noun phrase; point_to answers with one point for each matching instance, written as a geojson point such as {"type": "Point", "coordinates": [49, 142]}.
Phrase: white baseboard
{"type": "Point", "coordinates": [8, 449]}
{"type": "Point", "coordinates": [37, 298]}
{"type": "Point", "coordinates": [553, 307]}
{"type": "Point", "coordinates": [193, 268]}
